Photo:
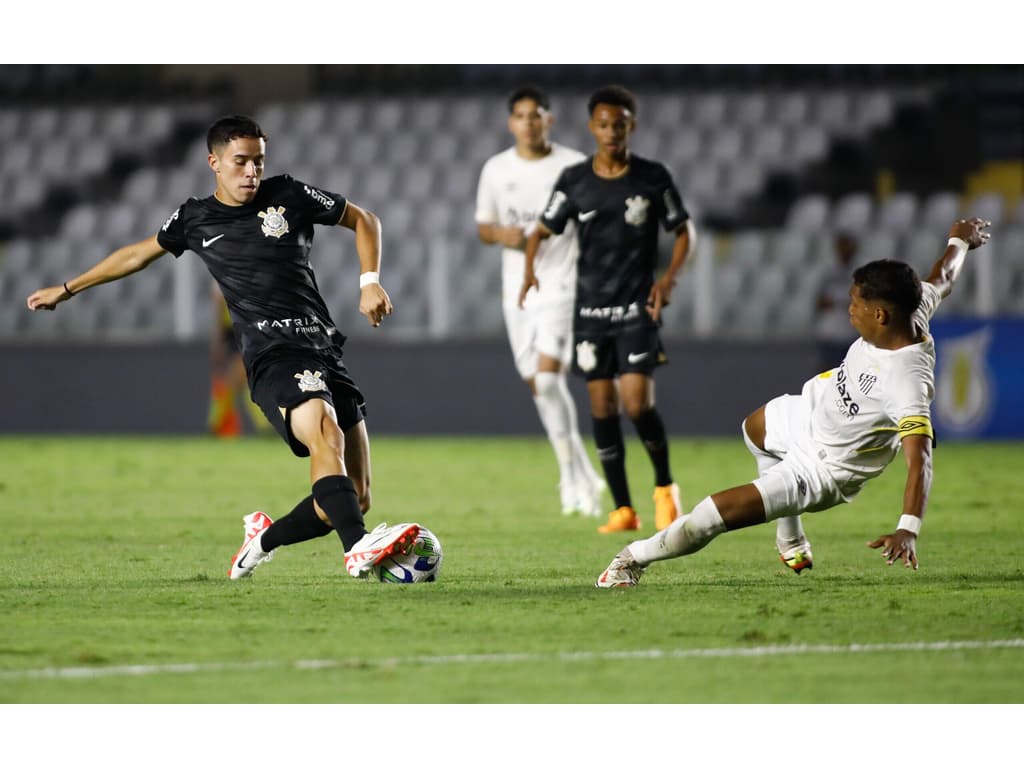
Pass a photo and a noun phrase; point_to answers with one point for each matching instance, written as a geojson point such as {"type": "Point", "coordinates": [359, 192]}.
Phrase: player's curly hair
{"type": "Point", "coordinates": [891, 281]}
{"type": "Point", "coordinates": [233, 127]}
{"type": "Point", "coordinates": [531, 92]}
{"type": "Point", "coordinates": [615, 95]}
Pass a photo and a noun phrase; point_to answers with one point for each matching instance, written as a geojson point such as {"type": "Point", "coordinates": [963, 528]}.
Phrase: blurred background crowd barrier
{"type": "Point", "coordinates": [772, 161]}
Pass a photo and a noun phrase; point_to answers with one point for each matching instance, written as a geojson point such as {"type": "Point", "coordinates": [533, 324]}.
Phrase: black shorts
{"type": "Point", "coordinates": [607, 356]}
{"type": "Point", "coordinates": [287, 378]}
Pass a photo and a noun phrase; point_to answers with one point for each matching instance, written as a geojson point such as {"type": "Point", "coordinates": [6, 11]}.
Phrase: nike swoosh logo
{"type": "Point", "coordinates": [211, 241]}
{"type": "Point", "coordinates": [588, 215]}
{"type": "Point", "coordinates": [241, 560]}
{"type": "Point", "coordinates": [635, 358]}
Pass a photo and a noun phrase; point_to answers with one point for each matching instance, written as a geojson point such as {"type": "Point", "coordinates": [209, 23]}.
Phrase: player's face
{"type": "Point", "coordinates": [863, 314]}
{"type": "Point", "coordinates": [238, 166]}
{"type": "Point", "coordinates": [529, 124]}
{"type": "Point", "coordinates": [611, 127]}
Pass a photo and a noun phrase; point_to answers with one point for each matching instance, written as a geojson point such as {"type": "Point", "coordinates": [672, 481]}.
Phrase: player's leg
{"type": "Point", "coordinates": [771, 425]}
{"type": "Point", "coordinates": [728, 510]}
{"type": "Point", "coordinates": [581, 485]}
{"type": "Point", "coordinates": [522, 328]}
{"type": "Point", "coordinates": [639, 355]}
{"type": "Point", "coordinates": [611, 450]}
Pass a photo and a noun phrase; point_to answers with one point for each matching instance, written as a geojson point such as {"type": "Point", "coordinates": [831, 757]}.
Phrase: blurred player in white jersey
{"type": "Point", "coordinates": [816, 450]}
{"type": "Point", "coordinates": [514, 186]}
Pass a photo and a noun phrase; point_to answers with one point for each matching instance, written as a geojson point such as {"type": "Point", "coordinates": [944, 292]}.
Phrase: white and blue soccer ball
{"type": "Point", "coordinates": [422, 563]}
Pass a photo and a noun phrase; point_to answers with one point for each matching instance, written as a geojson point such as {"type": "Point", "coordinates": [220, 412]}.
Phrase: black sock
{"type": "Point", "coordinates": [301, 524]}
{"type": "Point", "coordinates": [337, 498]}
{"type": "Point", "coordinates": [612, 452]}
{"type": "Point", "coordinates": [651, 430]}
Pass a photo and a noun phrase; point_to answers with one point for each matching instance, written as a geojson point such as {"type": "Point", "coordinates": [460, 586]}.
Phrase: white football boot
{"type": "Point", "coordinates": [797, 556]}
{"type": "Point", "coordinates": [251, 554]}
{"type": "Point", "coordinates": [623, 571]}
{"type": "Point", "coordinates": [379, 543]}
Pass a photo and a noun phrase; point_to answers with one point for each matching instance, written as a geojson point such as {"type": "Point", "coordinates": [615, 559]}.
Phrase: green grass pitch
{"type": "Point", "coordinates": [114, 552]}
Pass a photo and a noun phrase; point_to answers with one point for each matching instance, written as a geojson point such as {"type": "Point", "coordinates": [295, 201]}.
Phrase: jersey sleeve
{"type": "Point", "coordinates": [486, 200]}
{"type": "Point", "coordinates": [171, 236]}
{"type": "Point", "coordinates": [560, 207]}
{"type": "Point", "coordinates": [670, 204]}
{"type": "Point", "coordinates": [931, 297]}
{"type": "Point", "coordinates": [322, 206]}
{"type": "Point", "coordinates": [910, 399]}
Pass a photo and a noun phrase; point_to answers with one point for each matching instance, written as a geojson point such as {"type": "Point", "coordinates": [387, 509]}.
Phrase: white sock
{"type": "Point", "coordinates": [765, 460]}
{"type": "Point", "coordinates": [558, 415]}
{"type": "Point", "coordinates": [685, 536]}
{"type": "Point", "coordinates": [789, 531]}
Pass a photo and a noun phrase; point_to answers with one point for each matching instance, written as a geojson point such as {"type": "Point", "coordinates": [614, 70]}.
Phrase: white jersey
{"type": "Point", "coordinates": [861, 411]}
{"type": "Point", "coordinates": [512, 193]}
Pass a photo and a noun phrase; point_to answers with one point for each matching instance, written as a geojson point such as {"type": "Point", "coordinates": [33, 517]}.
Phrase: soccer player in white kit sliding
{"type": "Point", "coordinates": [816, 450]}
{"type": "Point", "coordinates": [514, 187]}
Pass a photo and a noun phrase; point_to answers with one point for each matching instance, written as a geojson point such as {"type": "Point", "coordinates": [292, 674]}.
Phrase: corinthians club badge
{"type": "Point", "coordinates": [274, 222]}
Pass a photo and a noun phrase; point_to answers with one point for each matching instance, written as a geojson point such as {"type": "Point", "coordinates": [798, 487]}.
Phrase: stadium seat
{"type": "Point", "coordinates": [709, 110]}
{"type": "Point", "coordinates": [809, 214]}
{"type": "Point", "coordinates": [898, 212]}
{"type": "Point", "coordinates": [988, 205]}
{"type": "Point", "coordinates": [809, 143]}
{"type": "Point", "coordinates": [832, 111]}
{"type": "Point", "coordinates": [872, 110]}
{"type": "Point", "coordinates": [748, 109]}
{"type": "Point", "coordinates": [791, 108]}
{"type": "Point", "coordinates": [724, 145]}
{"type": "Point", "coordinates": [852, 213]}
{"type": "Point", "coordinates": [939, 210]}
{"type": "Point", "coordinates": [790, 248]}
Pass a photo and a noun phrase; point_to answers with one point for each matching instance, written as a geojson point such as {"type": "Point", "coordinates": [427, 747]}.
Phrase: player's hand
{"type": "Point", "coordinates": [901, 545]}
{"type": "Point", "coordinates": [512, 237]}
{"type": "Point", "coordinates": [529, 281]}
{"type": "Point", "coordinates": [971, 231]}
{"type": "Point", "coordinates": [375, 303]}
{"type": "Point", "coordinates": [660, 295]}
{"type": "Point", "coordinates": [47, 298]}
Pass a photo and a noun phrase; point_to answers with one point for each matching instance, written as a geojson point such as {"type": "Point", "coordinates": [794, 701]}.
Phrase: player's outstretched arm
{"type": "Point", "coordinates": [121, 263]}
{"type": "Point", "coordinates": [539, 233]}
{"type": "Point", "coordinates": [902, 544]}
{"type": "Point", "coordinates": [374, 302]}
{"type": "Point", "coordinates": [965, 235]}
{"type": "Point", "coordinates": [661, 291]}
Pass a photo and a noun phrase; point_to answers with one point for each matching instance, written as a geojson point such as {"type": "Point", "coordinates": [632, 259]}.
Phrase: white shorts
{"type": "Point", "coordinates": [800, 482]}
{"type": "Point", "coordinates": [539, 329]}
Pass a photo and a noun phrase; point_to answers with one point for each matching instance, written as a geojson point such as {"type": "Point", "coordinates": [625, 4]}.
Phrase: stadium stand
{"type": "Point", "coordinates": [769, 169]}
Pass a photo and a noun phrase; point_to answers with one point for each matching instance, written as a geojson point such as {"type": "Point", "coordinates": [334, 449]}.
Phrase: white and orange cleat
{"type": "Point", "coordinates": [621, 519]}
{"type": "Point", "coordinates": [623, 571]}
{"type": "Point", "coordinates": [251, 554]}
{"type": "Point", "coordinates": [798, 557]}
{"type": "Point", "coordinates": [379, 543]}
{"type": "Point", "coordinates": [666, 505]}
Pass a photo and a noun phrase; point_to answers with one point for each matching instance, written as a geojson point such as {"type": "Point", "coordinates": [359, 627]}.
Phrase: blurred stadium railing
{"type": "Point", "coordinates": [772, 161]}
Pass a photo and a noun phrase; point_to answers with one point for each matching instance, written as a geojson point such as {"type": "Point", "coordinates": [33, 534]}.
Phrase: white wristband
{"type": "Point", "coordinates": [960, 245]}
{"type": "Point", "coordinates": [910, 523]}
{"type": "Point", "coordinates": [369, 278]}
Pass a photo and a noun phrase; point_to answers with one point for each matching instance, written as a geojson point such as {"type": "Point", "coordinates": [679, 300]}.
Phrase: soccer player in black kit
{"type": "Point", "coordinates": [618, 201]}
{"type": "Point", "coordinates": [255, 236]}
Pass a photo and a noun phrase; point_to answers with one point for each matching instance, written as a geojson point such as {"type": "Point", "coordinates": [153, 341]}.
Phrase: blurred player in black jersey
{"type": "Point", "coordinates": [254, 236]}
{"type": "Point", "coordinates": [617, 201]}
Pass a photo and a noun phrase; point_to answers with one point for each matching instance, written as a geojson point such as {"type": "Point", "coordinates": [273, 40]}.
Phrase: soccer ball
{"type": "Point", "coordinates": [423, 562]}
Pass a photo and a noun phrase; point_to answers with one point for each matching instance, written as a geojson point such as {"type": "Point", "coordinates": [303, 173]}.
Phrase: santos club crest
{"type": "Point", "coordinates": [274, 222]}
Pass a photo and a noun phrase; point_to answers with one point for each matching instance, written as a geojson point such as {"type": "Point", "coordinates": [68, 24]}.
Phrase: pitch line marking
{"type": "Point", "coordinates": [141, 670]}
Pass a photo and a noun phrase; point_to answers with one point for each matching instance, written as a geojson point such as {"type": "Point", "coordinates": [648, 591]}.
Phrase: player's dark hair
{"type": "Point", "coordinates": [615, 95]}
{"type": "Point", "coordinates": [891, 281]}
{"type": "Point", "coordinates": [233, 127]}
{"type": "Point", "coordinates": [531, 92]}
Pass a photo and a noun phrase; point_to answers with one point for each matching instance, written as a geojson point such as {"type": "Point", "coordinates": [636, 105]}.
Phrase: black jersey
{"type": "Point", "coordinates": [259, 255]}
{"type": "Point", "coordinates": [617, 225]}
